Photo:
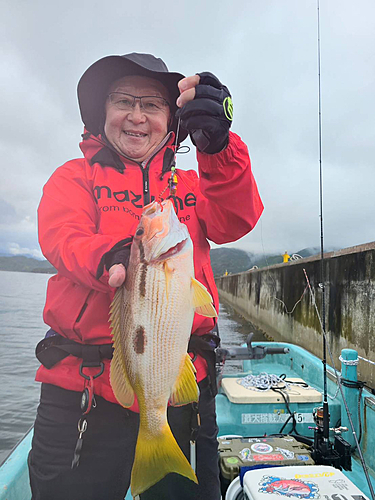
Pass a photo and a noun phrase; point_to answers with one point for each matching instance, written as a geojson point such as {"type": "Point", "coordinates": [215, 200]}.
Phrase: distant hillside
{"type": "Point", "coordinates": [26, 264]}
{"type": "Point", "coordinates": [307, 252]}
{"type": "Point", "coordinates": [267, 260]}
{"type": "Point", "coordinates": [235, 261]}
{"type": "Point", "coordinates": [223, 259]}
{"type": "Point", "coordinates": [232, 260]}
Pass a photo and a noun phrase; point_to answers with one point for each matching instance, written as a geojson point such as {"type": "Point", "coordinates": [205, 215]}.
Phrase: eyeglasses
{"type": "Point", "coordinates": [149, 104]}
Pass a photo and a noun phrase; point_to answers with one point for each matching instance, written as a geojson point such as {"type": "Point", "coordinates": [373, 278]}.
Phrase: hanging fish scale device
{"type": "Point", "coordinates": [173, 178]}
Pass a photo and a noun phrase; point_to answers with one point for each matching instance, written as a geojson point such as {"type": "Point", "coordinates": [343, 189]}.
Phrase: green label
{"type": "Point", "coordinates": [232, 460]}
{"type": "Point", "coordinates": [228, 108]}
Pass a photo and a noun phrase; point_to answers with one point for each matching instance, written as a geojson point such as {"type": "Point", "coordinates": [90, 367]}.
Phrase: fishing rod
{"type": "Point", "coordinates": [361, 457]}
{"type": "Point", "coordinates": [322, 271]}
{"type": "Point", "coordinates": [321, 437]}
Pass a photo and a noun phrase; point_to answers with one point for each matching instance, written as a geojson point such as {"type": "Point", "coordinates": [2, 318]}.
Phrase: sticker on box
{"type": "Point", "coordinates": [288, 487]}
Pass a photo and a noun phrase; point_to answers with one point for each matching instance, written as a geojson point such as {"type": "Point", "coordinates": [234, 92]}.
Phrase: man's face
{"type": "Point", "coordinates": [134, 132]}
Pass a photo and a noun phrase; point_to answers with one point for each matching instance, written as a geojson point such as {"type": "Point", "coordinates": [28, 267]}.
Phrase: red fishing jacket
{"type": "Point", "coordinates": [91, 204]}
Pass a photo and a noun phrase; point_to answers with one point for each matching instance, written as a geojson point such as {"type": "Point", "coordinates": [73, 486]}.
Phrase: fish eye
{"type": "Point", "coordinates": [140, 231]}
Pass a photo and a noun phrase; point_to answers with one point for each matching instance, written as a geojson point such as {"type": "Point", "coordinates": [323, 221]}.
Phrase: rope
{"type": "Point", "coordinates": [295, 305]}
{"type": "Point", "coordinates": [262, 382]}
{"type": "Point", "coordinates": [354, 362]}
{"type": "Point", "coordinates": [273, 279]}
{"type": "Point", "coordinates": [335, 396]}
{"type": "Point", "coordinates": [296, 256]}
{"type": "Point", "coordinates": [348, 362]}
{"type": "Point", "coordinates": [267, 381]}
{"type": "Point", "coordinates": [367, 360]}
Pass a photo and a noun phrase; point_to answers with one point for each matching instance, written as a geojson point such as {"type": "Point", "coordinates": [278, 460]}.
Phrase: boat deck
{"type": "Point", "coordinates": [255, 414]}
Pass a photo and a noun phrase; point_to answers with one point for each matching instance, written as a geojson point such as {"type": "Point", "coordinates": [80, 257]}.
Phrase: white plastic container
{"type": "Point", "coordinates": [299, 482]}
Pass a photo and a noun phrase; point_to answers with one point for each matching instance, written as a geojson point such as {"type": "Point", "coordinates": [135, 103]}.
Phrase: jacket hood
{"type": "Point", "coordinates": [98, 150]}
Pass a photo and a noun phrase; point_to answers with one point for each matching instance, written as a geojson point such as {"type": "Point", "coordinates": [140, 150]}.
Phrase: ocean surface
{"type": "Point", "coordinates": [22, 297]}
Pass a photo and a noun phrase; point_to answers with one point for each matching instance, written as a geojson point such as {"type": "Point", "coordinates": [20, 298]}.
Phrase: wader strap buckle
{"type": "Point", "coordinates": [91, 359]}
{"type": "Point", "coordinates": [87, 377]}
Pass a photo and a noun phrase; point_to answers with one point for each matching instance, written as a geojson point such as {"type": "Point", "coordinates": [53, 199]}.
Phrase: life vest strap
{"type": "Point", "coordinates": [205, 346]}
{"type": "Point", "coordinates": [54, 348]}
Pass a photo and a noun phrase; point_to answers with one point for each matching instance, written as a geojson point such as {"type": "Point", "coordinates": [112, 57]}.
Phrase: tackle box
{"type": "Point", "coordinates": [237, 452]}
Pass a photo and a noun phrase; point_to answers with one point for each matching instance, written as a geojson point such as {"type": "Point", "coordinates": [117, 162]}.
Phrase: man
{"type": "Point", "coordinates": [134, 111]}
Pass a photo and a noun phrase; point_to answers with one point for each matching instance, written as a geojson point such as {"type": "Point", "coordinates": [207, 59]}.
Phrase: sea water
{"type": "Point", "coordinates": [22, 297]}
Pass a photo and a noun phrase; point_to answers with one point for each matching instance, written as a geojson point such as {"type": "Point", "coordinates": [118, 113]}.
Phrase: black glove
{"type": "Point", "coordinates": [119, 254]}
{"type": "Point", "coordinates": [209, 115]}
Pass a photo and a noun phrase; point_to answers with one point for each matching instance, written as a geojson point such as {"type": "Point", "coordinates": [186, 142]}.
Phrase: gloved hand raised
{"type": "Point", "coordinates": [206, 111]}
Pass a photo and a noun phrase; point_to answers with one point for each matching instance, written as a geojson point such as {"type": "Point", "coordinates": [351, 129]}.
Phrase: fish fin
{"type": "Point", "coordinates": [118, 375]}
{"type": "Point", "coordinates": [168, 274]}
{"type": "Point", "coordinates": [202, 300]}
{"type": "Point", "coordinates": [185, 389]}
{"type": "Point", "coordinates": [120, 384]}
{"type": "Point", "coordinates": [155, 457]}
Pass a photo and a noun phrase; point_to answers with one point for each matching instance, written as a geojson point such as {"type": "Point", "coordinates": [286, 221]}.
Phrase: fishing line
{"type": "Point", "coordinates": [296, 304]}
{"type": "Point", "coordinates": [176, 138]}
{"type": "Point", "coordinates": [172, 181]}
{"type": "Point", "coordinates": [322, 285]}
{"type": "Point", "coordinates": [273, 279]}
{"type": "Point", "coordinates": [363, 463]}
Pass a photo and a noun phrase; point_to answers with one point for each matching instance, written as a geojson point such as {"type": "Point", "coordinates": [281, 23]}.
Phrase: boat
{"type": "Point", "coordinates": [284, 426]}
{"type": "Point", "coordinates": [260, 429]}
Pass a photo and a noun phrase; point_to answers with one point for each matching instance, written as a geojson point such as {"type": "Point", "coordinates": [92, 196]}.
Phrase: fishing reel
{"type": "Point", "coordinates": [318, 416]}
{"type": "Point", "coordinates": [324, 452]}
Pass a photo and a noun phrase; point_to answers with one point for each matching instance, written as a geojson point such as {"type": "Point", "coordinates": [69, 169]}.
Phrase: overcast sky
{"type": "Point", "coordinates": [265, 51]}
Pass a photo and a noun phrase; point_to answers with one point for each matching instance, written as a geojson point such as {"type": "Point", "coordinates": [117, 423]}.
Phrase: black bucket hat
{"type": "Point", "coordinates": [94, 84]}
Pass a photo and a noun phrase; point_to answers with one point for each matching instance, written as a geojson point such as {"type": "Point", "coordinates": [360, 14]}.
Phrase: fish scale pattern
{"type": "Point", "coordinates": [151, 319]}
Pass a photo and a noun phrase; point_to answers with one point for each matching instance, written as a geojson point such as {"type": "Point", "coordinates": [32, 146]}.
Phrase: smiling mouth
{"type": "Point", "coordinates": [134, 134]}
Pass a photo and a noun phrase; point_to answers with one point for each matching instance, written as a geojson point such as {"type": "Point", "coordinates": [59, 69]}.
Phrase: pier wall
{"type": "Point", "coordinates": [277, 300]}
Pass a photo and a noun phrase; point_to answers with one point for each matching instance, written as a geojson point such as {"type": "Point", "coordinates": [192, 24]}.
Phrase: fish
{"type": "Point", "coordinates": [151, 317]}
{"type": "Point", "coordinates": [289, 487]}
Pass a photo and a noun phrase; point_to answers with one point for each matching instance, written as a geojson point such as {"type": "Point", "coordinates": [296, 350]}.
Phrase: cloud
{"type": "Point", "coordinates": [15, 249]}
{"type": "Point", "coordinates": [265, 52]}
{"type": "Point", "coordinates": [18, 232]}
{"type": "Point", "coordinates": [8, 213]}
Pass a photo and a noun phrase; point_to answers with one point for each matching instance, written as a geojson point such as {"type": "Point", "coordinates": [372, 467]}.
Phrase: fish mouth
{"type": "Point", "coordinates": [172, 251]}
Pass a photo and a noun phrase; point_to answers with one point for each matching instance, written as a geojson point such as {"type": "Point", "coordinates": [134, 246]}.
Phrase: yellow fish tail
{"type": "Point", "coordinates": [155, 458]}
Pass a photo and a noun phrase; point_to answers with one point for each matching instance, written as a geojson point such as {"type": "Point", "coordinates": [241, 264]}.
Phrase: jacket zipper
{"type": "Point", "coordinates": [84, 307]}
{"type": "Point", "coordinates": [145, 172]}
{"type": "Point", "coordinates": [146, 190]}
{"type": "Point", "coordinates": [81, 312]}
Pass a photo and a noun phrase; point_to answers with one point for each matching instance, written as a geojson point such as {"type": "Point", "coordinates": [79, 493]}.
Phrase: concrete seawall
{"type": "Point", "coordinates": [277, 300]}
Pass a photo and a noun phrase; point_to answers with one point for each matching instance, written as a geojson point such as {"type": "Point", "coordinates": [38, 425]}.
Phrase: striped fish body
{"type": "Point", "coordinates": [151, 319]}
